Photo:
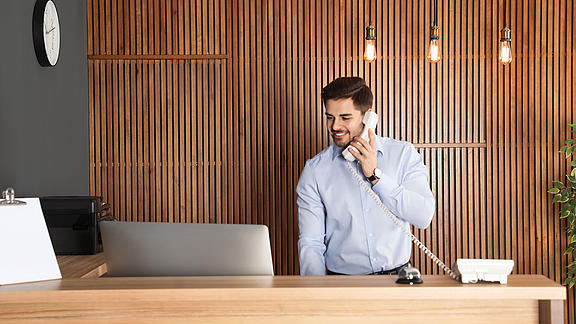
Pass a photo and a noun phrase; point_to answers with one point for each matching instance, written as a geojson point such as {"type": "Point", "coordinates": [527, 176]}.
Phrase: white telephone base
{"type": "Point", "coordinates": [475, 270]}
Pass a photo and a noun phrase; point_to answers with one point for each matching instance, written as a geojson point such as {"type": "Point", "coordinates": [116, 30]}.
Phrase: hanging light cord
{"type": "Point", "coordinates": [369, 12]}
{"type": "Point", "coordinates": [435, 12]}
{"type": "Point", "coordinates": [505, 5]}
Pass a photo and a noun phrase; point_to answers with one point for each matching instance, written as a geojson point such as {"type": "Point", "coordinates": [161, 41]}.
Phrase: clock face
{"type": "Point", "coordinates": [51, 32]}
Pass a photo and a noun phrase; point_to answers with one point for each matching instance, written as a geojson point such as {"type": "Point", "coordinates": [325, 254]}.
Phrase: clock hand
{"type": "Point", "coordinates": [48, 32]}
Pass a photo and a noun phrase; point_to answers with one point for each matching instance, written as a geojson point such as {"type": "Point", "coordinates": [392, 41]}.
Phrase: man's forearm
{"type": "Point", "coordinates": [412, 202]}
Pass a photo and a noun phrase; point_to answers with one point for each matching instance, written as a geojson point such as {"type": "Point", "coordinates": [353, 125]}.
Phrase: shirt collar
{"type": "Point", "coordinates": [337, 150]}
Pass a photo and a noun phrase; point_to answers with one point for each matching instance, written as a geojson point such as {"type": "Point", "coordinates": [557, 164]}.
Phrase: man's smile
{"type": "Point", "coordinates": [339, 134]}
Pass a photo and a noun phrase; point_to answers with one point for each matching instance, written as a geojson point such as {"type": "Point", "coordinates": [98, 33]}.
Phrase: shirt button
{"type": "Point", "coordinates": [373, 259]}
{"type": "Point", "coordinates": [370, 234]}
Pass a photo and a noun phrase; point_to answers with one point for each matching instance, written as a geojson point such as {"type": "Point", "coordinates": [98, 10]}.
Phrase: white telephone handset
{"type": "Point", "coordinates": [465, 270]}
{"type": "Point", "coordinates": [370, 120]}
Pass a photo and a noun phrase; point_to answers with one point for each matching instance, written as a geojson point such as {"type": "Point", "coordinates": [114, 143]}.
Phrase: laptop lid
{"type": "Point", "coordinates": [184, 249]}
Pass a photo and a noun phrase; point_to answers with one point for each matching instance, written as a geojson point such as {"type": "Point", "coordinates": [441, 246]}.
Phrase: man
{"type": "Point", "coordinates": [342, 229]}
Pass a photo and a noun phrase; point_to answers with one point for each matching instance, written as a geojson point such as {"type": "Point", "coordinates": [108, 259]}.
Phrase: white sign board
{"type": "Point", "coordinates": [26, 252]}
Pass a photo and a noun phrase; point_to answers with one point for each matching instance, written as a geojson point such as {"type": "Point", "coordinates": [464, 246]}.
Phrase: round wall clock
{"type": "Point", "coordinates": [46, 32]}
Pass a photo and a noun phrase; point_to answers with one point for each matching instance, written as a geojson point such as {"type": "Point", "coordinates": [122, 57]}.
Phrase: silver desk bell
{"type": "Point", "coordinates": [409, 275]}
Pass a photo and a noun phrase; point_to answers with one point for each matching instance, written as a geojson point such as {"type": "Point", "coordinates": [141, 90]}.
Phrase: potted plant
{"type": "Point", "coordinates": [565, 195]}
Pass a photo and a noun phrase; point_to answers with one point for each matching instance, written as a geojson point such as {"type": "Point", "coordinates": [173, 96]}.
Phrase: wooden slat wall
{"type": "Point", "coordinates": [206, 111]}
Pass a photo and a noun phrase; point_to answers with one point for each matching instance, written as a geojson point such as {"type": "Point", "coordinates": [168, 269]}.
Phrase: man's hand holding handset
{"type": "Point", "coordinates": [366, 155]}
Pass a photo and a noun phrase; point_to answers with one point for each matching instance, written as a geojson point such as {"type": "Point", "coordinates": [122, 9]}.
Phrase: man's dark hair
{"type": "Point", "coordinates": [349, 87]}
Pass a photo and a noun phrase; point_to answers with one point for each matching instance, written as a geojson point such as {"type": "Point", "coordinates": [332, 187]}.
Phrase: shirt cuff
{"type": "Point", "coordinates": [386, 185]}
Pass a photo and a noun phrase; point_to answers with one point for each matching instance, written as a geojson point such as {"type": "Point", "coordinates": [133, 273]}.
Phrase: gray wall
{"type": "Point", "coordinates": [44, 147]}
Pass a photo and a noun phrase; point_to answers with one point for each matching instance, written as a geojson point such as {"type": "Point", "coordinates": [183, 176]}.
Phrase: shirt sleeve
{"type": "Point", "coordinates": [411, 200]}
{"type": "Point", "coordinates": [311, 223]}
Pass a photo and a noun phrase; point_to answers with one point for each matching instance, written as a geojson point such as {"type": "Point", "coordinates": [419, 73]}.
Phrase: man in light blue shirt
{"type": "Point", "coordinates": [342, 229]}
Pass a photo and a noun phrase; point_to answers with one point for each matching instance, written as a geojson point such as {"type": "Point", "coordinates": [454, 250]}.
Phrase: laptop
{"type": "Point", "coordinates": [134, 249]}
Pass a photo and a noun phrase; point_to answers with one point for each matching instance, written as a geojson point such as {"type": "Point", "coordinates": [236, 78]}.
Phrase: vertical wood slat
{"type": "Point", "coordinates": [185, 139]}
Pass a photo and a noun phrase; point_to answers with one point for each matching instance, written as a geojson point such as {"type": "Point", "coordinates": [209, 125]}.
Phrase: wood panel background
{"type": "Point", "coordinates": [206, 111]}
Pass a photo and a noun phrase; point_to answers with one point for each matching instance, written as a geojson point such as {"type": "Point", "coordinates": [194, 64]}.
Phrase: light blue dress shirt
{"type": "Point", "coordinates": [341, 226]}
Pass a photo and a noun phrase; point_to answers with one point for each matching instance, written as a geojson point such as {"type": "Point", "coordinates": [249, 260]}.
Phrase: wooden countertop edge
{"type": "Point", "coordinates": [333, 287]}
{"type": "Point", "coordinates": [96, 272]}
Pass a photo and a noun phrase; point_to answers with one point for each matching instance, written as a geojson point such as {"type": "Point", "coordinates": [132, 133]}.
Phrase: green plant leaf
{"type": "Point", "coordinates": [553, 190]}
{"type": "Point", "coordinates": [572, 125]}
{"type": "Point", "coordinates": [569, 250]}
{"type": "Point", "coordinates": [573, 173]}
{"type": "Point", "coordinates": [571, 283]}
{"type": "Point", "coordinates": [569, 141]}
{"type": "Point", "coordinates": [573, 163]}
{"type": "Point", "coordinates": [564, 214]}
{"type": "Point", "coordinates": [569, 151]}
{"type": "Point", "coordinates": [571, 178]}
{"type": "Point", "coordinates": [558, 184]}
{"type": "Point", "coordinates": [563, 149]}
{"type": "Point", "coordinates": [573, 239]}
{"type": "Point", "coordinates": [557, 198]}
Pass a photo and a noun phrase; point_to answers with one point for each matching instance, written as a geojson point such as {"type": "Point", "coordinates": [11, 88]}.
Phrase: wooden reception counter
{"type": "Point", "coordinates": [285, 299]}
{"type": "Point", "coordinates": [82, 266]}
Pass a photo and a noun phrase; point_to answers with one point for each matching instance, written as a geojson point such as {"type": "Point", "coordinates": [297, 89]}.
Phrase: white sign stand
{"type": "Point", "coordinates": [26, 252]}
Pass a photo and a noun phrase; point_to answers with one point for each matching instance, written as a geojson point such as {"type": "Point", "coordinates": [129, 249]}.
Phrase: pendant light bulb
{"type": "Point", "coordinates": [434, 51]}
{"type": "Point", "coordinates": [505, 55]}
{"type": "Point", "coordinates": [370, 44]}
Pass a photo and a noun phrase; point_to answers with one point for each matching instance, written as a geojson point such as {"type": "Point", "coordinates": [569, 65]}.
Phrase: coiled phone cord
{"type": "Point", "coordinates": [396, 221]}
